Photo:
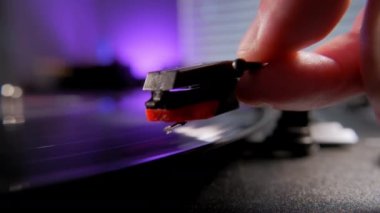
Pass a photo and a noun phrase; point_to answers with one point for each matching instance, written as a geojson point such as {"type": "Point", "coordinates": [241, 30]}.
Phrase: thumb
{"type": "Point", "coordinates": [283, 26]}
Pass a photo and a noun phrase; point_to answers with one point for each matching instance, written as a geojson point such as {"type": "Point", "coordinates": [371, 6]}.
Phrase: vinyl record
{"type": "Point", "coordinates": [53, 138]}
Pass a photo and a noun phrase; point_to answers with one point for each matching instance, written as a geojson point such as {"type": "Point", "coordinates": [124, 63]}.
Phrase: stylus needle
{"type": "Point", "coordinates": [170, 129]}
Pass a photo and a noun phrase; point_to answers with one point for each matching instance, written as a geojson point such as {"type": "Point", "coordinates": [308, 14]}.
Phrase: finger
{"type": "Point", "coordinates": [345, 51]}
{"type": "Point", "coordinates": [370, 42]}
{"type": "Point", "coordinates": [283, 26]}
{"type": "Point", "coordinates": [303, 81]}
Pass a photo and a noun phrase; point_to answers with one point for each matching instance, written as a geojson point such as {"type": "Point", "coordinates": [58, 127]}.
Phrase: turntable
{"type": "Point", "coordinates": [69, 148]}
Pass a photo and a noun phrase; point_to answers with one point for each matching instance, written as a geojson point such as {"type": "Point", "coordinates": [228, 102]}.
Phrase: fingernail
{"type": "Point", "coordinates": [245, 46]}
{"type": "Point", "coordinates": [248, 42]}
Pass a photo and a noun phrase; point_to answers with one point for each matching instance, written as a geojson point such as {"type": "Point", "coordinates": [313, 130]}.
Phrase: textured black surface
{"type": "Point", "coordinates": [334, 180]}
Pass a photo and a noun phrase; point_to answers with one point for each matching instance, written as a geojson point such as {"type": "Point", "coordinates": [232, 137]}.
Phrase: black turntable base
{"type": "Point", "coordinates": [98, 152]}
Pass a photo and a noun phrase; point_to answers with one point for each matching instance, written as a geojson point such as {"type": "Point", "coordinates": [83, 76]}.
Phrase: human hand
{"type": "Point", "coordinates": [298, 80]}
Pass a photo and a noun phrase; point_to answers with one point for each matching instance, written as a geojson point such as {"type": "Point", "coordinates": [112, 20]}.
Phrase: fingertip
{"type": "Point", "coordinates": [250, 55]}
{"type": "Point", "coordinates": [244, 90]}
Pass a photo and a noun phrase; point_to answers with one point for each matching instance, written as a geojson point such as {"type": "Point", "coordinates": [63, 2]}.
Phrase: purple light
{"type": "Point", "coordinates": [143, 33]}
{"type": "Point", "coordinates": [145, 57]}
{"type": "Point", "coordinates": [140, 34]}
